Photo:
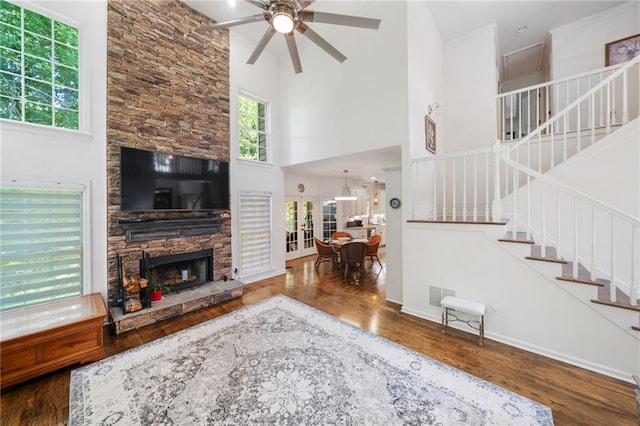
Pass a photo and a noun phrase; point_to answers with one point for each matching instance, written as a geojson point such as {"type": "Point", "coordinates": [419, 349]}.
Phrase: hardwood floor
{"type": "Point", "coordinates": [576, 396]}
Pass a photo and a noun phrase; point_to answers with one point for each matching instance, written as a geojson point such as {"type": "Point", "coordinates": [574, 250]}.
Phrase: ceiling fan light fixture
{"type": "Point", "coordinates": [283, 18]}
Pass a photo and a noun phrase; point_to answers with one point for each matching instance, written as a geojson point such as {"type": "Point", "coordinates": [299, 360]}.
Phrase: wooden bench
{"type": "Point", "coordinates": [458, 304]}
{"type": "Point", "coordinates": [42, 338]}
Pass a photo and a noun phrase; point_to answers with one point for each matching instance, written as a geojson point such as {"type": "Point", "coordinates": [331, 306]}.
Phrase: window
{"type": "Point", "coordinates": [39, 78]}
{"type": "Point", "coordinates": [329, 218]}
{"type": "Point", "coordinates": [255, 233]}
{"type": "Point", "coordinates": [252, 128]}
{"type": "Point", "coordinates": [41, 256]}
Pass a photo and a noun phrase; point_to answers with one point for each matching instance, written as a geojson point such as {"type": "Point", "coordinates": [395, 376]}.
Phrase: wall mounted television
{"type": "Point", "coordinates": [152, 181]}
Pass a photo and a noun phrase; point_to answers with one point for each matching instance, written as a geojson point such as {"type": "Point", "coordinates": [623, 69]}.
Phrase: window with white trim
{"type": "Point", "coordinates": [255, 233]}
{"type": "Point", "coordinates": [41, 255]}
{"type": "Point", "coordinates": [252, 129]}
{"type": "Point", "coordinates": [39, 73]}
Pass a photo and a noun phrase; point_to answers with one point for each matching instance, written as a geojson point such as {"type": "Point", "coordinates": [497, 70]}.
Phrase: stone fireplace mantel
{"type": "Point", "coordinates": [156, 229]}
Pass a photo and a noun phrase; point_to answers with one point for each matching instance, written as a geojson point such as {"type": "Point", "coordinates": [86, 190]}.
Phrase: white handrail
{"type": "Point", "coordinates": [577, 102]}
{"type": "Point", "coordinates": [561, 80]}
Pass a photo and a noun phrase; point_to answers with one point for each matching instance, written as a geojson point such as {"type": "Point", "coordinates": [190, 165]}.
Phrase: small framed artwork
{"type": "Point", "coordinates": [622, 50]}
{"type": "Point", "coordinates": [430, 131]}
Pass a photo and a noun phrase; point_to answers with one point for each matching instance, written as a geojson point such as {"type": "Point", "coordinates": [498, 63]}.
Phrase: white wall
{"type": "Point", "coordinates": [393, 236]}
{"type": "Point", "coordinates": [39, 153]}
{"type": "Point", "coordinates": [579, 47]}
{"type": "Point", "coordinates": [533, 312]}
{"type": "Point", "coordinates": [334, 109]}
{"type": "Point", "coordinates": [259, 80]}
{"type": "Point", "coordinates": [470, 88]}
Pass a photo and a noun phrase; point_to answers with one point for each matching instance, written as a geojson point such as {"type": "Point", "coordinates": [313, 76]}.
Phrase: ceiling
{"type": "Point", "coordinates": [522, 52]}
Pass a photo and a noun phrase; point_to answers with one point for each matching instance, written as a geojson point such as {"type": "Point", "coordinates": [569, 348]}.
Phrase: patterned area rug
{"type": "Point", "coordinates": [283, 362]}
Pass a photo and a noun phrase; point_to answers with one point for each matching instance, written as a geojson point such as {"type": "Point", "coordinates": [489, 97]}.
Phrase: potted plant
{"type": "Point", "coordinates": [156, 290]}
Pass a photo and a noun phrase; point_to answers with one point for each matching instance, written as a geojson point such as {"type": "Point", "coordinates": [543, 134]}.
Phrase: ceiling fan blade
{"type": "Point", "coordinates": [306, 3]}
{"type": "Point", "coordinates": [227, 24]}
{"type": "Point", "coordinates": [257, 3]}
{"type": "Point", "coordinates": [347, 20]}
{"type": "Point", "coordinates": [293, 52]}
{"type": "Point", "coordinates": [261, 45]}
{"type": "Point", "coordinates": [324, 44]}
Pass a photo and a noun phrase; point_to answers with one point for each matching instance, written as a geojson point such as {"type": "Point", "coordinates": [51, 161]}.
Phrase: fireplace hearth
{"type": "Point", "coordinates": [178, 272]}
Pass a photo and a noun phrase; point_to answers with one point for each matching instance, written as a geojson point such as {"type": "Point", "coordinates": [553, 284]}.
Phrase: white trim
{"type": "Point", "coordinates": [44, 131]}
{"type": "Point", "coordinates": [591, 366]}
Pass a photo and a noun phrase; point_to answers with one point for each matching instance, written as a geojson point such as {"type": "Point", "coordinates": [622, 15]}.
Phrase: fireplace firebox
{"type": "Point", "coordinates": [180, 271]}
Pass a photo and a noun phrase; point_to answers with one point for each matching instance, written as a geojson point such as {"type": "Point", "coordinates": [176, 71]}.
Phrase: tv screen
{"type": "Point", "coordinates": [151, 180]}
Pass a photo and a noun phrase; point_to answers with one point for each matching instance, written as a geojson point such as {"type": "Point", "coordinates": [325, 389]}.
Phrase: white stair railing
{"type": "Point", "coordinates": [470, 186]}
{"type": "Point", "coordinates": [609, 104]}
{"type": "Point", "coordinates": [580, 221]}
{"type": "Point", "coordinates": [462, 187]}
{"type": "Point", "coordinates": [522, 110]}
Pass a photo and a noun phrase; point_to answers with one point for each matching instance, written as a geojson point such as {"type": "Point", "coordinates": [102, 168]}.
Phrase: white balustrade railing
{"type": "Point", "coordinates": [462, 187]}
{"type": "Point", "coordinates": [527, 160]}
{"type": "Point", "coordinates": [472, 186]}
{"type": "Point", "coordinates": [521, 111]}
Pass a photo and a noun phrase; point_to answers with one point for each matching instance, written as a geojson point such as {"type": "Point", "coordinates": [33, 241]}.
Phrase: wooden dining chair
{"type": "Point", "coordinates": [352, 256]}
{"type": "Point", "coordinates": [372, 248]}
{"type": "Point", "coordinates": [326, 253]}
{"type": "Point", "coordinates": [340, 234]}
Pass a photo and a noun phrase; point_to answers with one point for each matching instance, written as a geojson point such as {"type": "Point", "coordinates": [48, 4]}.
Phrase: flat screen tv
{"type": "Point", "coordinates": [151, 180]}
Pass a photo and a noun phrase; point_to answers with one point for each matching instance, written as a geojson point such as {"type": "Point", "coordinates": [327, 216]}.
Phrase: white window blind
{"type": "Point", "coordinates": [41, 246]}
{"type": "Point", "coordinates": [255, 233]}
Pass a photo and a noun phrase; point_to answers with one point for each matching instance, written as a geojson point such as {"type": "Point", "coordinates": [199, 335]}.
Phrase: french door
{"type": "Point", "coordinates": [299, 216]}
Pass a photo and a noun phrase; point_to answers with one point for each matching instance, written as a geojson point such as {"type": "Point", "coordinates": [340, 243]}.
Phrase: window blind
{"type": "Point", "coordinates": [41, 245]}
{"type": "Point", "coordinates": [255, 233]}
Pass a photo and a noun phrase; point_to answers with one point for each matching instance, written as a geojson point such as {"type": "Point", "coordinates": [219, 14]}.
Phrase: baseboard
{"type": "Point", "coordinates": [261, 276]}
{"type": "Point", "coordinates": [578, 362]}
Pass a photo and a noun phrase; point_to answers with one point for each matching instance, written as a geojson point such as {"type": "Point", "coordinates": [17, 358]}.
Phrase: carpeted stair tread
{"type": "Point", "coordinates": [457, 222]}
{"type": "Point", "coordinates": [550, 255]}
{"type": "Point", "coordinates": [584, 276]}
{"type": "Point", "coordinates": [519, 237]}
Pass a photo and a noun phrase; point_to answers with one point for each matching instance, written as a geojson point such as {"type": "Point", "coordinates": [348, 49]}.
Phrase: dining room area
{"type": "Point", "coordinates": [350, 256]}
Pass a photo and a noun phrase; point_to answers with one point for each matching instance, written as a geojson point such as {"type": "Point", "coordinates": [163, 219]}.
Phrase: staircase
{"type": "Point", "coordinates": [520, 183]}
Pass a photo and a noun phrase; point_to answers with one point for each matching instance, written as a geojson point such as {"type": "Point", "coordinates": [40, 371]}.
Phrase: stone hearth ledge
{"type": "Point", "coordinates": [176, 304]}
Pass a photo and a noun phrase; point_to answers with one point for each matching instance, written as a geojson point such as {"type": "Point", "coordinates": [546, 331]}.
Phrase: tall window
{"type": "Point", "coordinates": [39, 78]}
{"type": "Point", "coordinates": [252, 128]}
{"type": "Point", "coordinates": [255, 233]}
{"type": "Point", "coordinates": [41, 255]}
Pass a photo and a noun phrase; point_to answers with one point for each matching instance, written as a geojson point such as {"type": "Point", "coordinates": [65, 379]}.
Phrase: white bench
{"type": "Point", "coordinates": [458, 304]}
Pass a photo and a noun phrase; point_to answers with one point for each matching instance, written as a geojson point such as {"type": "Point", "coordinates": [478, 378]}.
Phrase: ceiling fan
{"type": "Point", "coordinates": [285, 16]}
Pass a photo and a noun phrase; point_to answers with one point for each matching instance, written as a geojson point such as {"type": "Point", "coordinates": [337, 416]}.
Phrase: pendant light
{"type": "Point", "coordinates": [345, 193]}
{"type": "Point", "coordinates": [375, 192]}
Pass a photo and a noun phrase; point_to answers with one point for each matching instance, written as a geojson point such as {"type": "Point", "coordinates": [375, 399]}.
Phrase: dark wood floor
{"type": "Point", "coordinates": [576, 396]}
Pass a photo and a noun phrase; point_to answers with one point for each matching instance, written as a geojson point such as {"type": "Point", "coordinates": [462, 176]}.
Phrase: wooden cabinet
{"type": "Point", "coordinates": [43, 338]}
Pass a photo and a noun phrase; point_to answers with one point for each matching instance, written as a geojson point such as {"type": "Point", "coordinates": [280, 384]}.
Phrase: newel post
{"type": "Point", "coordinates": [496, 206]}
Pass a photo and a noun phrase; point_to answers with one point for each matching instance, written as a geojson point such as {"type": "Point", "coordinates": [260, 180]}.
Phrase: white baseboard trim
{"type": "Point", "coordinates": [261, 276]}
{"type": "Point", "coordinates": [569, 359]}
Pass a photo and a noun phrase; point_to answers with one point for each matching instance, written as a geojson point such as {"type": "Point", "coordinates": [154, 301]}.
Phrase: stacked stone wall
{"type": "Point", "coordinates": [167, 91]}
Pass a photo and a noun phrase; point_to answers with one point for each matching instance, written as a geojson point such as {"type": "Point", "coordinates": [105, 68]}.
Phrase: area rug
{"type": "Point", "coordinates": [281, 362]}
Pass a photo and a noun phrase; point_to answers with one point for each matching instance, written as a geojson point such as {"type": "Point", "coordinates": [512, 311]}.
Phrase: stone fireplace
{"type": "Point", "coordinates": [167, 93]}
{"type": "Point", "coordinates": [178, 271]}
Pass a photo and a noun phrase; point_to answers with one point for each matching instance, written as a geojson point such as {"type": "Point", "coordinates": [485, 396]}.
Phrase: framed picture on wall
{"type": "Point", "coordinates": [430, 132]}
{"type": "Point", "coordinates": [622, 50]}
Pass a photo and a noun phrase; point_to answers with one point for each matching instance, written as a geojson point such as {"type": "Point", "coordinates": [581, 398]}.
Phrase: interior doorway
{"type": "Point", "coordinates": [300, 219]}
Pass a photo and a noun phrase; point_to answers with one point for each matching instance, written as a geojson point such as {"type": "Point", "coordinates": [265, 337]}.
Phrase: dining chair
{"type": "Point", "coordinates": [340, 234]}
{"type": "Point", "coordinates": [372, 248]}
{"type": "Point", "coordinates": [352, 256]}
{"type": "Point", "coordinates": [326, 253]}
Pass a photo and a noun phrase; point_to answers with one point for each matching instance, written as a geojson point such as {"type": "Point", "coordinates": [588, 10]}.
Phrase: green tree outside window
{"type": "Point", "coordinates": [252, 129]}
{"type": "Point", "coordinates": [38, 68]}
